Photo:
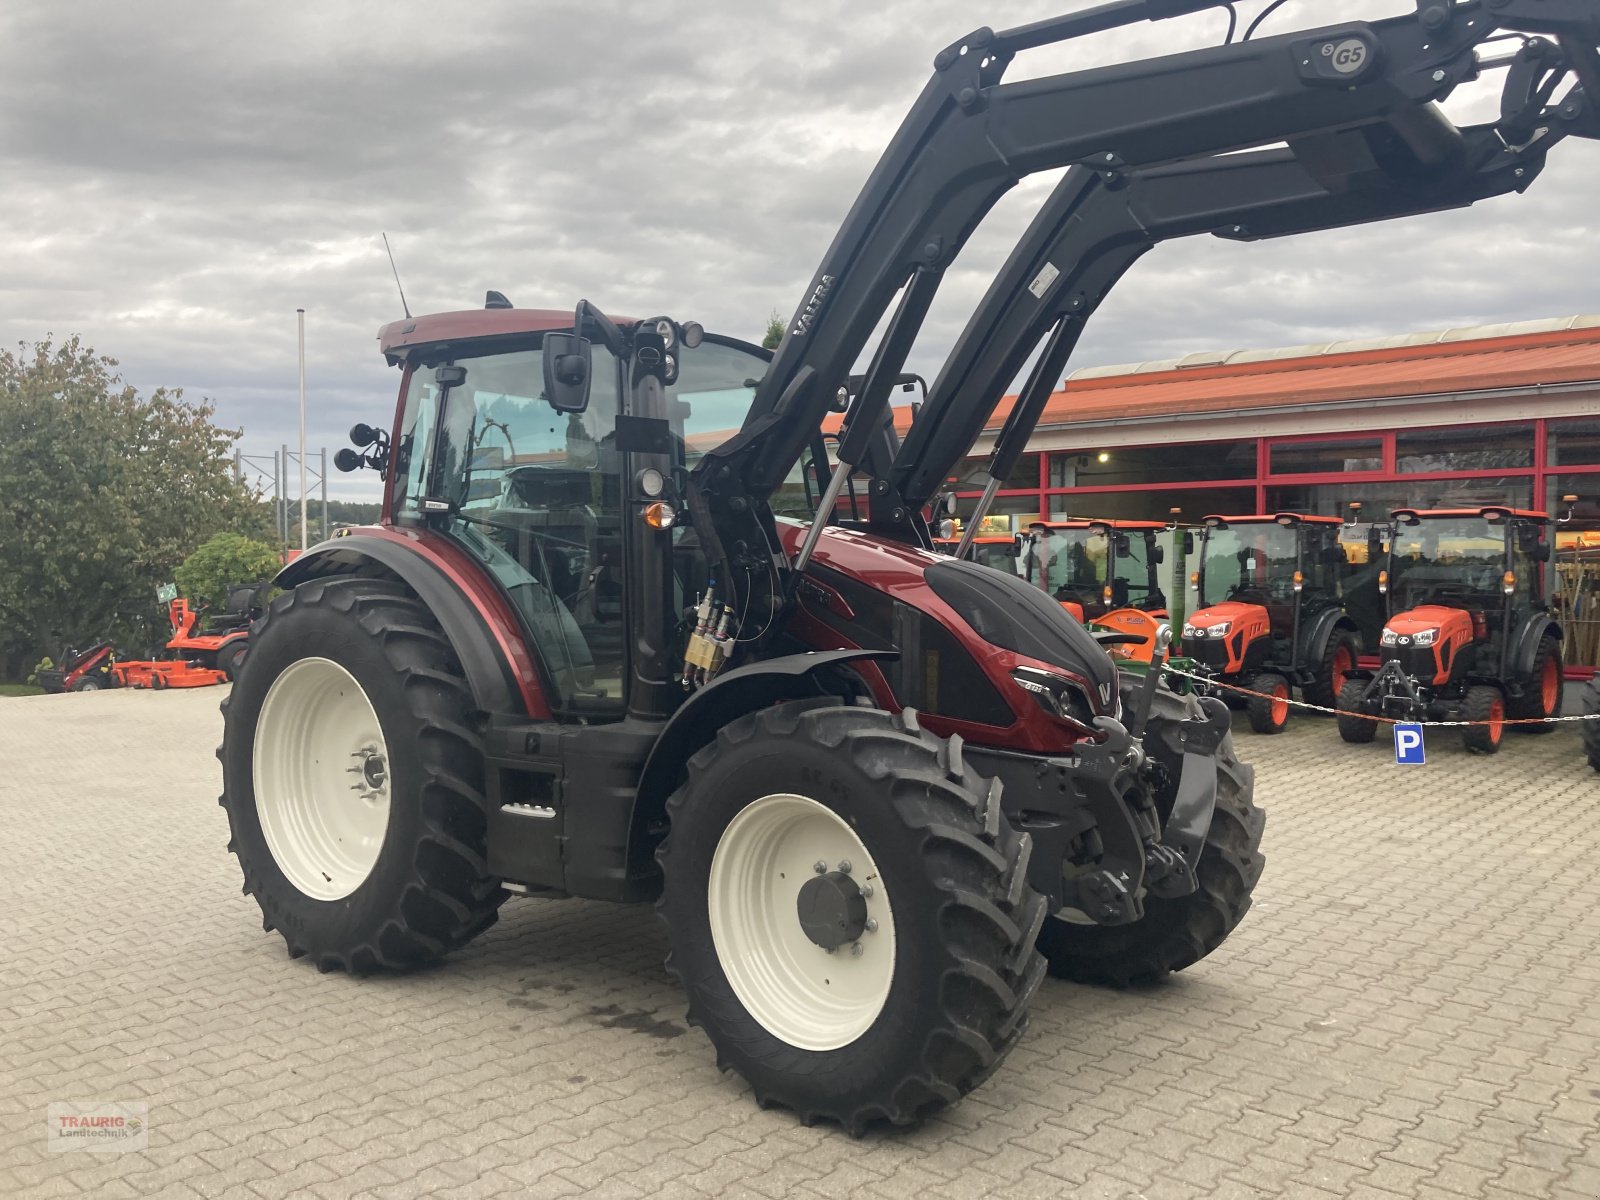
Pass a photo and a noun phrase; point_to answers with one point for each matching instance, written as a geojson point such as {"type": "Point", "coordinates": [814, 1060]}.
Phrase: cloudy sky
{"type": "Point", "coordinates": [177, 178]}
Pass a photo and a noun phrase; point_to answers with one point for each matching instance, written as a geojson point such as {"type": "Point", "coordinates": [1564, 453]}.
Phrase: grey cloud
{"type": "Point", "coordinates": [175, 179]}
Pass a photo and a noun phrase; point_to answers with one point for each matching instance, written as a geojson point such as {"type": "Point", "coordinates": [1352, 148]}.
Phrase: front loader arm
{"type": "Point", "coordinates": [969, 137]}
{"type": "Point", "coordinates": [1092, 229]}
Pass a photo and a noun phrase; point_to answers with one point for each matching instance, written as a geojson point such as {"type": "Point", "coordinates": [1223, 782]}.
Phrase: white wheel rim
{"type": "Point", "coordinates": [321, 775]}
{"type": "Point", "coordinates": [798, 991]}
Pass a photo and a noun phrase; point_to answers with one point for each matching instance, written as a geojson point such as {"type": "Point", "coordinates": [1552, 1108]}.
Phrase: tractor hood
{"type": "Point", "coordinates": [1427, 617]}
{"type": "Point", "coordinates": [1230, 613]}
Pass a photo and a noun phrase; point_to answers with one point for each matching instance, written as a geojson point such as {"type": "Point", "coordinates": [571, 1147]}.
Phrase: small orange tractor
{"type": "Point", "coordinates": [1471, 636]}
{"type": "Point", "coordinates": [1268, 611]}
{"type": "Point", "coordinates": [1096, 567]}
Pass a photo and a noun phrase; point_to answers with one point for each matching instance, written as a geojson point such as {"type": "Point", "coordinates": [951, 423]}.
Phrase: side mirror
{"type": "Point", "coordinates": [566, 372]}
{"type": "Point", "coordinates": [1124, 546]}
{"type": "Point", "coordinates": [1188, 544]}
{"type": "Point", "coordinates": [1546, 552]}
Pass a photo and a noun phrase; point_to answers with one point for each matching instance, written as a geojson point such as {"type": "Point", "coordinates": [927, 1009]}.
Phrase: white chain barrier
{"type": "Point", "coordinates": [1211, 682]}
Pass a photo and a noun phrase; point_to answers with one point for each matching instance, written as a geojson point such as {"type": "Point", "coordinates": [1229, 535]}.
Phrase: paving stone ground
{"type": "Point", "coordinates": [1411, 1010]}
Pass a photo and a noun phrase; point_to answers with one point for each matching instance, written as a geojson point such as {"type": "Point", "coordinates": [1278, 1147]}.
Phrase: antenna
{"type": "Point", "coordinates": [396, 271]}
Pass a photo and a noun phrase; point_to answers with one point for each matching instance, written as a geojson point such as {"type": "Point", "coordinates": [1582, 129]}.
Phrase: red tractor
{"type": "Point", "coordinates": [1470, 636]}
{"type": "Point", "coordinates": [1268, 612]}
{"type": "Point", "coordinates": [875, 791]}
{"type": "Point", "coordinates": [1096, 567]}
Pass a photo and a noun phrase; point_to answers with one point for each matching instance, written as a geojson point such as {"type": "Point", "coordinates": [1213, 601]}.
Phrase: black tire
{"type": "Point", "coordinates": [429, 891]}
{"type": "Point", "coordinates": [231, 657]}
{"type": "Point", "coordinates": [88, 683]}
{"type": "Point", "coordinates": [1174, 934]}
{"type": "Point", "coordinates": [1268, 716]}
{"type": "Point", "coordinates": [1352, 728]}
{"type": "Point", "coordinates": [1532, 705]}
{"type": "Point", "coordinates": [1591, 729]}
{"type": "Point", "coordinates": [1481, 704]}
{"type": "Point", "coordinates": [951, 865]}
{"type": "Point", "coordinates": [1324, 690]}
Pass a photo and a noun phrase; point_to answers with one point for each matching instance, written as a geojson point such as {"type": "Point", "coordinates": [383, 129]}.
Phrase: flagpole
{"type": "Point", "coordinates": [303, 538]}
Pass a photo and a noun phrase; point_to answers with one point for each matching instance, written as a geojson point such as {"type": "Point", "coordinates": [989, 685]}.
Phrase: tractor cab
{"type": "Point", "coordinates": [567, 500]}
{"type": "Point", "coordinates": [1096, 567]}
{"type": "Point", "coordinates": [1269, 611]}
{"type": "Point", "coordinates": [1469, 634]}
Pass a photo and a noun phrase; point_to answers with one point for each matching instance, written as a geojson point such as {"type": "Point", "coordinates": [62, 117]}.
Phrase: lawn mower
{"type": "Point", "coordinates": [1268, 615]}
{"type": "Point", "coordinates": [1470, 635]}
{"type": "Point", "coordinates": [82, 670]}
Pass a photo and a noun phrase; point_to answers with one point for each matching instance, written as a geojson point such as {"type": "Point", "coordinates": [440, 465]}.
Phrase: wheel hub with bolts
{"type": "Point", "coordinates": [832, 910]}
{"type": "Point", "coordinates": [791, 885]}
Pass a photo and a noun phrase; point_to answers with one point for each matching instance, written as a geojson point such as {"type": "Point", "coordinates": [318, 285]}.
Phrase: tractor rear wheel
{"type": "Point", "coordinates": [1269, 711]}
{"type": "Point", "coordinates": [849, 912]}
{"type": "Point", "coordinates": [1591, 728]}
{"type": "Point", "coordinates": [1486, 708]}
{"type": "Point", "coordinates": [1542, 695]}
{"type": "Point", "coordinates": [1338, 660]}
{"type": "Point", "coordinates": [1174, 934]}
{"type": "Point", "coordinates": [353, 780]}
{"type": "Point", "coordinates": [1355, 729]}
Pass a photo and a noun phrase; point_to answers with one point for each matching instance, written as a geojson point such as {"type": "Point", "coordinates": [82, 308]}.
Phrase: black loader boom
{"type": "Point", "coordinates": [1355, 104]}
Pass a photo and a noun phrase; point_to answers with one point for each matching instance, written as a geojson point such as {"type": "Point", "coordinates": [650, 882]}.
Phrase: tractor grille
{"type": "Point", "coordinates": [1414, 661]}
{"type": "Point", "coordinates": [1211, 652]}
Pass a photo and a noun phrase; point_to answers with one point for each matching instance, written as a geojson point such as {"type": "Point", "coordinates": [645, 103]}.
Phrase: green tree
{"type": "Point", "coordinates": [774, 333]}
{"type": "Point", "coordinates": [103, 492]}
{"type": "Point", "coordinates": [226, 559]}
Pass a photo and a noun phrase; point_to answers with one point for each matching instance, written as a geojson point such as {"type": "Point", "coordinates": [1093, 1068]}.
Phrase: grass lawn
{"type": "Point", "coordinates": [20, 689]}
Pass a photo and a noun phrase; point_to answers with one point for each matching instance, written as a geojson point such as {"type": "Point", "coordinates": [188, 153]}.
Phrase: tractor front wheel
{"type": "Point", "coordinates": [1486, 709]}
{"type": "Point", "coordinates": [849, 911]}
{"type": "Point", "coordinates": [353, 780]}
{"type": "Point", "coordinates": [1269, 708]}
{"type": "Point", "coordinates": [1542, 693]}
{"type": "Point", "coordinates": [1176, 933]}
{"type": "Point", "coordinates": [1591, 727]}
{"type": "Point", "coordinates": [1353, 727]}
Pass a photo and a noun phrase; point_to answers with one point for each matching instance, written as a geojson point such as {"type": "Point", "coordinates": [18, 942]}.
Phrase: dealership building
{"type": "Point", "coordinates": [1504, 414]}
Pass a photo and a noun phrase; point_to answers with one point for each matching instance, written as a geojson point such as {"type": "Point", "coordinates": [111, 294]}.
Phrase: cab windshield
{"type": "Point", "coordinates": [1254, 564]}
{"type": "Point", "coordinates": [538, 495]}
{"type": "Point", "coordinates": [1074, 566]}
{"type": "Point", "coordinates": [1450, 560]}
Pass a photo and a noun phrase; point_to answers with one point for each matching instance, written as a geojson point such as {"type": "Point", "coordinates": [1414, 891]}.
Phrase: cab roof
{"type": "Point", "coordinates": [1119, 526]}
{"type": "Point", "coordinates": [399, 339]}
{"type": "Point", "coordinates": [1526, 514]}
{"type": "Point", "coordinates": [1273, 519]}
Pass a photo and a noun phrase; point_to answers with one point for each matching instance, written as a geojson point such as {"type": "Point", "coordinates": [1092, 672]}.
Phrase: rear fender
{"type": "Point", "coordinates": [495, 686]}
{"type": "Point", "coordinates": [1526, 648]}
{"type": "Point", "coordinates": [695, 724]}
{"type": "Point", "coordinates": [1315, 634]}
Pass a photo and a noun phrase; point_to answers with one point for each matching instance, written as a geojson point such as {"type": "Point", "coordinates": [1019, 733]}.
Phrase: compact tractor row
{"type": "Point", "coordinates": [875, 792]}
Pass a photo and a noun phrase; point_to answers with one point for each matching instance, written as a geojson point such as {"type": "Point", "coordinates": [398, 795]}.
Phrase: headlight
{"type": "Point", "coordinates": [1425, 637]}
{"type": "Point", "coordinates": [1190, 631]}
{"type": "Point", "coordinates": [1389, 638]}
{"type": "Point", "coordinates": [1215, 631]}
{"type": "Point", "coordinates": [1060, 696]}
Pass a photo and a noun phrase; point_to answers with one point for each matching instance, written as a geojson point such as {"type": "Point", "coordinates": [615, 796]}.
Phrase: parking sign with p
{"type": "Point", "coordinates": [1408, 751]}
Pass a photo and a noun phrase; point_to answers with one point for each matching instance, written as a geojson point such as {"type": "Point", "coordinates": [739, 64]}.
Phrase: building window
{"type": "Point", "coordinates": [1574, 443]}
{"type": "Point", "coordinates": [1194, 503]}
{"type": "Point", "coordinates": [1328, 456]}
{"type": "Point", "coordinates": [1185, 462]}
{"type": "Point", "coordinates": [1379, 497]}
{"type": "Point", "coordinates": [1464, 448]}
{"type": "Point", "coordinates": [974, 475]}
